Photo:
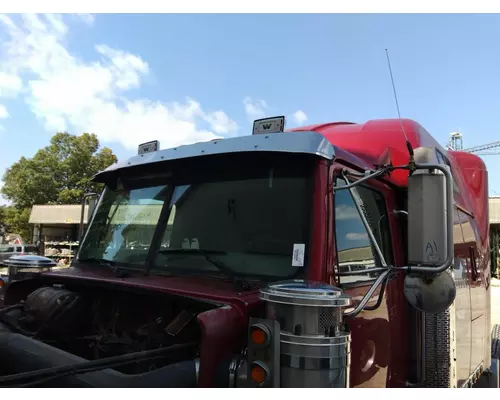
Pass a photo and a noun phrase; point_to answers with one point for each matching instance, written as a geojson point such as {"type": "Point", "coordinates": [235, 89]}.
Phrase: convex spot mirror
{"type": "Point", "coordinates": [430, 294]}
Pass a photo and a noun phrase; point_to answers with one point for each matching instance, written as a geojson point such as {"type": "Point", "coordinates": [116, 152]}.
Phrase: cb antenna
{"type": "Point", "coordinates": [411, 162]}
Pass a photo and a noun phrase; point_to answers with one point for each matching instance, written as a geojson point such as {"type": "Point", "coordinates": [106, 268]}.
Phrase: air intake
{"type": "Point", "coordinates": [314, 346]}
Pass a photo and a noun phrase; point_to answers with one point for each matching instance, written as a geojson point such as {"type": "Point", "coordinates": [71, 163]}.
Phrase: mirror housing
{"type": "Point", "coordinates": [429, 286]}
{"type": "Point", "coordinates": [428, 219]}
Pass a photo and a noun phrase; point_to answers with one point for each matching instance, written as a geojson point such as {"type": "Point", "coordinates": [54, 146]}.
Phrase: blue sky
{"type": "Point", "coordinates": [185, 78]}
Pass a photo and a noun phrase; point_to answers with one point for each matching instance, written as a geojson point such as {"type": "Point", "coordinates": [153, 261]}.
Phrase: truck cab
{"type": "Point", "coordinates": [334, 255]}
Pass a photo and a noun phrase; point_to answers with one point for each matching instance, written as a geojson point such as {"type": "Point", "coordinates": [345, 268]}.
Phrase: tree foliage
{"type": "Point", "coordinates": [60, 173]}
{"type": "Point", "coordinates": [15, 220]}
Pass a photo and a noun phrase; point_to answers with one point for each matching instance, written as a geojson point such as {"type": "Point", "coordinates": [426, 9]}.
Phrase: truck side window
{"type": "Point", "coordinates": [355, 252]}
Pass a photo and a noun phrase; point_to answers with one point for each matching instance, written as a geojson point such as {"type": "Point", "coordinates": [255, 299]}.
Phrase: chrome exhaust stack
{"type": "Point", "coordinates": [302, 342]}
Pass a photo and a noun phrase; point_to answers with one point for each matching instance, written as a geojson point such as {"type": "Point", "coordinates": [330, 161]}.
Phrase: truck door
{"type": "Point", "coordinates": [379, 351]}
{"type": "Point", "coordinates": [478, 294]}
{"type": "Point", "coordinates": [463, 328]}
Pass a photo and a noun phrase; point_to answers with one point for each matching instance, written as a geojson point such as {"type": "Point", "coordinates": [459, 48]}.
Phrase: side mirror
{"type": "Point", "coordinates": [430, 287]}
{"type": "Point", "coordinates": [427, 218]}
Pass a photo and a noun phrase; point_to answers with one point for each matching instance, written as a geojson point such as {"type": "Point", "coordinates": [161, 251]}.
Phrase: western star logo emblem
{"type": "Point", "coordinates": [269, 125]}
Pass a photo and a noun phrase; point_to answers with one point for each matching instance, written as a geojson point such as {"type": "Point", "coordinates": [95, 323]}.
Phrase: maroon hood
{"type": "Point", "coordinates": [223, 328]}
{"type": "Point", "coordinates": [214, 289]}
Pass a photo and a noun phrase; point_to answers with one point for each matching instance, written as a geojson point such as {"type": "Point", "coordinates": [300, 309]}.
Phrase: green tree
{"type": "Point", "coordinates": [15, 220]}
{"type": "Point", "coordinates": [60, 173]}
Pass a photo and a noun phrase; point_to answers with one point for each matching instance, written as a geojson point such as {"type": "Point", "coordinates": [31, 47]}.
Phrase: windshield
{"type": "Point", "coordinates": [248, 218]}
{"type": "Point", "coordinates": [123, 225]}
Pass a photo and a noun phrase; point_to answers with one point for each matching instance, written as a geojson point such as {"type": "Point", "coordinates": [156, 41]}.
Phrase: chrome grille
{"type": "Point", "coordinates": [439, 349]}
{"type": "Point", "coordinates": [329, 318]}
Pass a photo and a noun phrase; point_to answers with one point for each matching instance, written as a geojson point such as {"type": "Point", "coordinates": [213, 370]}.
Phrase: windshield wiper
{"type": "Point", "coordinates": [120, 273]}
{"type": "Point", "coordinates": [237, 280]}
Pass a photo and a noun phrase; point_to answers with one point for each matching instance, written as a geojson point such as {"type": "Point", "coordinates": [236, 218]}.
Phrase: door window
{"type": "Point", "coordinates": [355, 251]}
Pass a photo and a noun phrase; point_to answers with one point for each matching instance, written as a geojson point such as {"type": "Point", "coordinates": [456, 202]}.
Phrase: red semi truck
{"type": "Point", "coordinates": [334, 255]}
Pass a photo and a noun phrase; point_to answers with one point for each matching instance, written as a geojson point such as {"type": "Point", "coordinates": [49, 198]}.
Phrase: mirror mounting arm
{"type": "Point", "coordinates": [364, 178]}
{"type": "Point", "coordinates": [361, 306]}
{"type": "Point", "coordinates": [380, 296]}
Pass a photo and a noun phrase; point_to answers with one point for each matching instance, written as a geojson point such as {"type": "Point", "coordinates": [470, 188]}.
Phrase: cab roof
{"type": "Point", "coordinates": [376, 142]}
{"type": "Point", "coordinates": [382, 141]}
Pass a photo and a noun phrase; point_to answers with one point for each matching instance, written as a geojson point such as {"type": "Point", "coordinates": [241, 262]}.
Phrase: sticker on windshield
{"type": "Point", "coordinates": [298, 254]}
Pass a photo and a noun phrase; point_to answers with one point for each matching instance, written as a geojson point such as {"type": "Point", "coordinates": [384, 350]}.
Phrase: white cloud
{"type": "Point", "coordinates": [299, 117]}
{"type": "Point", "coordinates": [10, 84]}
{"type": "Point", "coordinates": [56, 22]}
{"type": "Point", "coordinates": [87, 18]}
{"type": "Point", "coordinates": [3, 112]}
{"type": "Point", "coordinates": [220, 122]}
{"type": "Point", "coordinates": [255, 109]}
{"type": "Point", "coordinates": [345, 212]}
{"type": "Point", "coordinates": [3, 115]}
{"type": "Point", "coordinates": [67, 93]}
{"type": "Point", "coordinates": [356, 236]}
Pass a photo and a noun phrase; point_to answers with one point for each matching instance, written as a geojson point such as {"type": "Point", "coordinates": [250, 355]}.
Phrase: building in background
{"type": "Point", "coordinates": [56, 228]}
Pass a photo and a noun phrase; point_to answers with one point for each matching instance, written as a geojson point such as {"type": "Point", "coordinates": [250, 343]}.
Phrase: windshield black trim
{"type": "Point", "coordinates": [161, 226]}
{"type": "Point", "coordinates": [90, 221]}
